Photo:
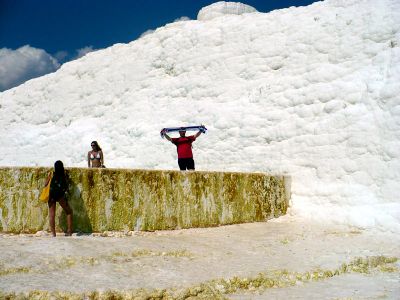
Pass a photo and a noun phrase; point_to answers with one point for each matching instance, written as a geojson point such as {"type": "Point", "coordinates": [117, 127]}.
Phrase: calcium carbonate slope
{"type": "Point", "coordinates": [312, 92]}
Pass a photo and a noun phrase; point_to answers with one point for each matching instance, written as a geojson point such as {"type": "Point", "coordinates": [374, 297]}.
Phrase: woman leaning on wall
{"type": "Point", "coordinates": [58, 188]}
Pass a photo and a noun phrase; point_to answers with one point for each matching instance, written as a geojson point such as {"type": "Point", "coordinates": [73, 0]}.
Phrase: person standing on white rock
{"type": "Point", "coordinates": [95, 157]}
{"type": "Point", "coordinates": [184, 148]}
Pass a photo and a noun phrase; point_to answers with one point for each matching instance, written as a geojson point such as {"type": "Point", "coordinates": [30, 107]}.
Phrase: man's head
{"type": "Point", "coordinates": [182, 132]}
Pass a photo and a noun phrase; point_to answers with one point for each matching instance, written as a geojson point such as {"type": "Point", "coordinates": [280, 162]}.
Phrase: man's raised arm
{"type": "Point", "coordinates": [167, 137]}
{"type": "Point", "coordinates": [200, 131]}
{"type": "Point", "coordinates": [197, 134]}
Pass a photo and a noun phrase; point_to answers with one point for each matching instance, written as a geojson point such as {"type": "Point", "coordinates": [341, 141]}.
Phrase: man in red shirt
{"type": "Point", "coordinates": [184, 148]}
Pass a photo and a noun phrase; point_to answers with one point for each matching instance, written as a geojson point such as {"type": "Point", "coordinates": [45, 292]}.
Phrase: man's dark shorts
{"type": "Point", "coordinates": [186, 163]}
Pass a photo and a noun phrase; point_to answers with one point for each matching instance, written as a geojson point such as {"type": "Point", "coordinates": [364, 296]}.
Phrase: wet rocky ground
{"type": "Point", "coordinates": [285, 258]}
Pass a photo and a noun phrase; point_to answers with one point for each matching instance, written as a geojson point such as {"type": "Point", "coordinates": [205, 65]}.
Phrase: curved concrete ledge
{"type": "Point", "coordinates": [120, 199]}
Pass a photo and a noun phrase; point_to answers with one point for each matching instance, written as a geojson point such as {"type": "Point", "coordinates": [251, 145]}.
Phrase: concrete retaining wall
{"type": "Point", "coordinates": [118, 199]}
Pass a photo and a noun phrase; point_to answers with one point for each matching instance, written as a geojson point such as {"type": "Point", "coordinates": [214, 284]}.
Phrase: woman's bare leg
{"type": "Point", "coordinates": [68, 212]}
{"type": "Point", "coordinates": [52, 217]}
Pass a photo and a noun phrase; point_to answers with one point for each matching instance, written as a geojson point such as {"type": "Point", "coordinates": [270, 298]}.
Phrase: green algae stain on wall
{"type": "Point", "coordinates": [118, 199]}
{"type": "Point", "coordinates": [19, 191]}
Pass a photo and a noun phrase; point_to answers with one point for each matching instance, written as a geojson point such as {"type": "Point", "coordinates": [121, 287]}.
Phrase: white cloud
{"type": "Point", "coordinates": [83, 51]}
{"type": "Point", "coordinates": [184, 18]}
{"type": "Point", "coordinates": [61, 56]}
{"type": "Point", "coordinates": [22, 64]}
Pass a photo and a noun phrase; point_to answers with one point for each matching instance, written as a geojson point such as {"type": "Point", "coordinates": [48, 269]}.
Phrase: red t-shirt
{"type": "Point", "coordinates": [184, 146]}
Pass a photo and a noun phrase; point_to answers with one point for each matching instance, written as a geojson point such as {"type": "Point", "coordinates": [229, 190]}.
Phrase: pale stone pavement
{"type": "Point", "coordinates": [184, 258]}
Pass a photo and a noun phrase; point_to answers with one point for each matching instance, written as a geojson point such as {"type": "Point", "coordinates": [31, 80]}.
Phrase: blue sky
{"type": "Point", "coordinates": [52, 32]}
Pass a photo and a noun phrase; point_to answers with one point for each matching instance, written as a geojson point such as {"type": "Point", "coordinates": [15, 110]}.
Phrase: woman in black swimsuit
{"type": "Point", "coordinates": [95, 157]}
{"type": "Point", "coordinates": [58, 188]}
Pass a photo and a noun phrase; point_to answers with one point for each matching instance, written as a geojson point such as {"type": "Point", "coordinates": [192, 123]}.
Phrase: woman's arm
{"type": "Point", "coordinates": [101, 159]}
{"type": "Point", "coordinates": [88, 159]}
{"type": "Point", "coordinates": [48, 178]}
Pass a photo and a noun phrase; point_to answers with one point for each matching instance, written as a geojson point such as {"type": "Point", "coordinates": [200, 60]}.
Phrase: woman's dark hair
{"type": "Point", "coordinates": [96, 145]}
{"type": "Point", "coordinates": [59, 169]}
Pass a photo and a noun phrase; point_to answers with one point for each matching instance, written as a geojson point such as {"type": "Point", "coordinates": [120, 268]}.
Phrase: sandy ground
{"type": "Point", "coordinates": [187, 258]}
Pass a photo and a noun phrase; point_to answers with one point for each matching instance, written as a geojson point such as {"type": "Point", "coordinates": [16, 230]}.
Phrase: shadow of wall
{"type": "Point", "coordinates": [81, 221]}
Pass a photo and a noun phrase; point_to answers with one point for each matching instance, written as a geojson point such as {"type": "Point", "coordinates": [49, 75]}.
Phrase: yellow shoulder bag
{"type": "Point", "coordinates": [45, 194]}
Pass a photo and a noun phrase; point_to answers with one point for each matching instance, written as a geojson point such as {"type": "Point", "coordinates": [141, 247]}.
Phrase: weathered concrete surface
{"type": "Point", "coordinates": [118, 199]}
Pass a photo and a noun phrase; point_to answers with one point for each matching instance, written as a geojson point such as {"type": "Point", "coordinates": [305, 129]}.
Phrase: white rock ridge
{"type": "Point", "coordinates": [222, 8]}
{"type": "Point", "coordinates": [311, 92]}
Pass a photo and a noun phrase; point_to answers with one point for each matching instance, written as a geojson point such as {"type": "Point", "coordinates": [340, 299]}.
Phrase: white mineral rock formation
{"type": "Point", "coordinates": [311, 92]}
